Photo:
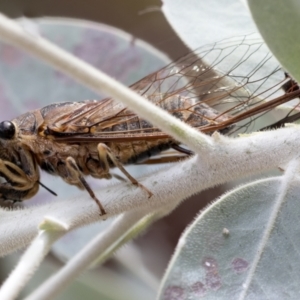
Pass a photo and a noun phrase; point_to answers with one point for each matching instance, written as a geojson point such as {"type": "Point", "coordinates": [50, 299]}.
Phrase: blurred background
{"type": "Point", "coordinates": [128, 40]}
{"type": "Point", "coordinates": [141, 19]}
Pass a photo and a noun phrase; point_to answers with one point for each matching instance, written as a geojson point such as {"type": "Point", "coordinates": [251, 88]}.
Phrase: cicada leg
{"type": "Point", "coordinates": [18, 186]}
{"type": "Point", "coordinates": [17, 194]}
{"type": "Point", "coordinates": [104, 152]}
{"type": "Point", "coordinates": [76, 174]}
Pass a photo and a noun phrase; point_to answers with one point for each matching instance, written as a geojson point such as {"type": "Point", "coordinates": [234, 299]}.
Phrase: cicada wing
{"type": "Point", "coordinates": [221, 84]}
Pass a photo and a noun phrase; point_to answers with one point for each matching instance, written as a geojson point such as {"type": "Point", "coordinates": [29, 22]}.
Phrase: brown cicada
{"type": "Point", "coordinates": [75, 139]}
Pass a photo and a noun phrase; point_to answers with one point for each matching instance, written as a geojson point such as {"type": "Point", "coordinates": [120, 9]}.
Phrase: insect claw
{"type": "Point", "coordinates": [102, 210]}
{"type": "Point", "coordinates": [150, 194]}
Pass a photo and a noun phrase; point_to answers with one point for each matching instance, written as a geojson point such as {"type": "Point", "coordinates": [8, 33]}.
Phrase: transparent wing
{"type": "Point", "coordinates": [232, 82]}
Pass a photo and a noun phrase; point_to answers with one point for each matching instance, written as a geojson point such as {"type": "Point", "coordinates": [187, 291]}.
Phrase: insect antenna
{"type": "Point", "coordinates": [46, 188]}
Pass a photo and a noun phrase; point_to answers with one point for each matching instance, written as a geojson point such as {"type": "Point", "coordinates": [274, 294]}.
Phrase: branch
{"type": "Point", "coordinates": [231, 158]}
{"type": "Point", "coordinates": [124, 228]}
{"type": "Point", "coordinates": [29, 263]}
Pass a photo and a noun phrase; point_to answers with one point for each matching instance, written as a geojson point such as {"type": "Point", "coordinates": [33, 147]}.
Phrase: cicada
{"type": "Point", "coordinates": [76, 139]}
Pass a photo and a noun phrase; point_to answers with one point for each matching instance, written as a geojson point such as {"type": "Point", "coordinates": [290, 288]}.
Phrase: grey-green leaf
{"type": "Point", "coordinates": [278, 22]}
{"type": "Point", "coordinates": [244, 246]}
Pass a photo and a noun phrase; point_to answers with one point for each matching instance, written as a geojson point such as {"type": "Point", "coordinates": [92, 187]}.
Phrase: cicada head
{"type": "Point", "coordinates": [8, 141]}
{"type": "Point", "coordinates": [15, 184]}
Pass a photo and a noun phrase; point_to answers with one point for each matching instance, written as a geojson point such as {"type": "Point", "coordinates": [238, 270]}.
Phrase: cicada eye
{"type": "Point", "coordinates": [7, 130]}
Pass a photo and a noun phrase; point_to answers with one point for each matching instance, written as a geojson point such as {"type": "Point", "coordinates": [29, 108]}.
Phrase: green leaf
{"type": "Point", "coordinates": [278, 22]}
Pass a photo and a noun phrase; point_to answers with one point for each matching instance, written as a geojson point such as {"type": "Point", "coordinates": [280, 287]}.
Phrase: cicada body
{"type": "Point", "coordinates": [75, 139]}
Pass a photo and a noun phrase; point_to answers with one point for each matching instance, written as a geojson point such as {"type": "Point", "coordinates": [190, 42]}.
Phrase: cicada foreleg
{"type": "Point", "coordinates": [77, 176]}
{"type": "Point", "coordinates": [18, 186]}
{"type": "Point", "coordinates": [104, 152]}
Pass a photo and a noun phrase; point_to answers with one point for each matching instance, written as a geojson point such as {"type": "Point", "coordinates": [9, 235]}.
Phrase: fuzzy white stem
{"type": "Point", "coordinates": [28, 264]}
{"type": "Point", "coordinates": [81, 71]}
{"type": "Point", "coordinates": [105, 242]}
